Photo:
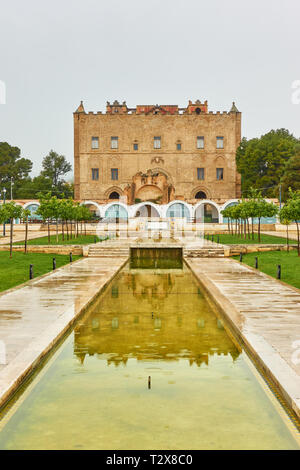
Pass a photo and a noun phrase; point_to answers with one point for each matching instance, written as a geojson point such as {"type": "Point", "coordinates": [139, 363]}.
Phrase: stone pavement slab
{"type": "Point", "coordinates": [264, 313]}
{"type": "Point", "coordinates": [33, 318]}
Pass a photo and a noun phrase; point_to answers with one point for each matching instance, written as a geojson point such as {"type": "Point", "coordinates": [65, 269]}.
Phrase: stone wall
{"type": "Point", "coordinates": [179, 166]}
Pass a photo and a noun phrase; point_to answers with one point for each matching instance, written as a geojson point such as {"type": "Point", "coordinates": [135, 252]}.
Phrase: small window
{"type": "Point", "coordinates": [114, 174]}
{"type": "Point", "coordinates": [220, 173]}
{"type": "Point", "coordinates": [220, 142]}
{"type": "Point", "coordinates": [95, 142]}
{"type": "Point", "coordinates": [114, 142]}
{"type": "Point", "coordinates": [135, 146]}
{"type": "Point", "coordinates": [95, 174]}
{"type": "Point", "coordinates": [200, 142]}
{"type": "Point", "coordinates": [157, 142]}
{"type": "Point", "coordinates": [178, 146]}
{"type": "Point", "coordinates": [200, 173]}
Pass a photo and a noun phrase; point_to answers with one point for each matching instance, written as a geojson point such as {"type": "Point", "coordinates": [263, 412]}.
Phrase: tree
{"type": "Point", "coordinates": [261, 161]}
{"type": "Point", "coordinates": [45, 210]}
{"type": "Point", "coordinates": [293, 209]}
{"type": "Point", "coordinates": [25, 214]}
{"type": "Point", "coordinates": [12, 166]}
{"type": "Point", "coordinates": [3, 214]}
{"type": "Point", "coordinates": [285, 217]}
{"type": "Point", "coordinates": [13, 212]}
{"type": "Point", "coordinates": [55, 167]}
{"type": "Point", "coordinates": [264, 209]}
{"type": "Point", "coordinates": [291, 175]}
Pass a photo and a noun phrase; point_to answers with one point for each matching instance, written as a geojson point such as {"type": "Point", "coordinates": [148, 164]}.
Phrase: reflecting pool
{"type": "Point", "coordinates": [149, 366]}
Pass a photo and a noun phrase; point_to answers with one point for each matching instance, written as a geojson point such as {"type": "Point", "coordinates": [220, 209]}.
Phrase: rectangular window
{"type": "Point", "coordinates": [220, 142]}
{"type": "Point", "coordinates": [220, 173]}
{"type": "Point", "coordinates": [200, 173]}
{"type": "Point", "coordinates": [157, 143]}
{"type": "Point", "coordinates": [200, 142]}
{"type": "Point", "coordinates": [178, 146]}
{"type": "Point", "coordinates": [135, 146]}
{"type": "Point", "coordinates": [114, 174]}
{"type": "Point", "coordinates": [95, 142]}
{"type": "Point", "coordinates": [114, 142]}
{"type": "Point", "coordinates": [95, 174]}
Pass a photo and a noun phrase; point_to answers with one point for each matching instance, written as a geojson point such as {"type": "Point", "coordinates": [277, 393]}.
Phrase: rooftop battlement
{"type": "Point", "coordinates": [197, 108]}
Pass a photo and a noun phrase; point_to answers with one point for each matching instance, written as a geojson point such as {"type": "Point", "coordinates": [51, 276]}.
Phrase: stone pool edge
{"type": "Point", "coordinates": [24, 364]}
{"type": "Point", "coordinates": [276, 369]}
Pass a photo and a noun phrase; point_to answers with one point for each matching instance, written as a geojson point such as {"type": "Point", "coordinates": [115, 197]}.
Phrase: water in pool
{"type": "Point", "coordinates": [149, 366]}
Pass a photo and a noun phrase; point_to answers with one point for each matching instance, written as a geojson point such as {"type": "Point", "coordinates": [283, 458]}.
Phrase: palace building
{"type": "Point", "coordinates": [157, 153]}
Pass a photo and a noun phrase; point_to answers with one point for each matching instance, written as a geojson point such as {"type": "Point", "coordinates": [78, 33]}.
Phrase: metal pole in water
{"type": "Point", "coordinates": [279, 271]}
{"type": "Point", "coordinates": [31, 271]}
{"type": "Point", "coordinates": [149, 382]}
{"type": "Point", "coordinates": [54, 263]}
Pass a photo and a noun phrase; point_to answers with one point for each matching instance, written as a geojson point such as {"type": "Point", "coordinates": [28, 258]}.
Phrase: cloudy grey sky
{"type": "Point", "coordinates": [55, 53]}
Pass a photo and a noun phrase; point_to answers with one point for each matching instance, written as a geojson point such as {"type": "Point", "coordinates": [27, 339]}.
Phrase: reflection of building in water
{"type": "Point", "coordinates": [150, 316]}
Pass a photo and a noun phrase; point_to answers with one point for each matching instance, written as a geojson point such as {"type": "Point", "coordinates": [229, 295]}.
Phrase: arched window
{"type": "Point", "coordinates": [200, 195]}
{"type": "Point", "coordinates": [198, 110]}
{"type": "Point", "coordinates": [178, 210]}
{"type": "Point", "coordinates": [114, 195]}
{"type": "Point", "coordinates": [116, 212]}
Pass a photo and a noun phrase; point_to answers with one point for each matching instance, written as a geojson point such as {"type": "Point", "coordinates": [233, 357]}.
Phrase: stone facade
{"type": "Point", "coordinates": [156, 153]}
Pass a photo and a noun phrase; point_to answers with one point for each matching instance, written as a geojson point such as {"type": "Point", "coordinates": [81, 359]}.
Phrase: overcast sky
{"type": "Point", "coordinates": [55, 53]}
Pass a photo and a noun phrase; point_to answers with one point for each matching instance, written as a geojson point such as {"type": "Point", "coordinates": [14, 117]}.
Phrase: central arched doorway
{"type": "Point", "coordinates": [147, 210]}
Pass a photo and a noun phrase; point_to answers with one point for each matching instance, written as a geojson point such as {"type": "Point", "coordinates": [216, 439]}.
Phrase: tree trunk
{"type": "Point", "coordinates": [63, 229]}
{"type": "Point", "coordinates": [11, 236]}
{"type": "Point", "coordinates": [26, 235]}
{"type": "Point", "coordinates": [57, 231]}
{"type": "Point", "coordinates": [252, 228]}
{"type": "Point", "coordinates": [287, 238]}
{"type": "Point", "coordinates": [48, 231]}
{"type": "Point", "coordinates": [259, 229]}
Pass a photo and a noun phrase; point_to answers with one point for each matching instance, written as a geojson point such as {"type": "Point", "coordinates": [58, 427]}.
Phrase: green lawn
{"type": "Point", "coordinates": [227, 239]}
{"type": "Point", "coordinates": [269, 260]}
{"type": "Point", "coordinates": [81, 240]}
{"type": "Point", "coordinates": [15, 271]}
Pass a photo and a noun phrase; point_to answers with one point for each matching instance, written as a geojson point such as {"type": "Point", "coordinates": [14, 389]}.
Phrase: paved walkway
{"type": "Point", "coordinates": [264, 312]}
{"type": "Point", "coordinates": [33, 317]}
{"type": "Point", "coordinates": [20, 236]}
{"type": "Point", "coordinates": [292, 235]}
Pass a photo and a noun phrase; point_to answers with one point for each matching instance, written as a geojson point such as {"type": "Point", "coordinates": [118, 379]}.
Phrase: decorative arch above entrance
{"type": "Point", "coordinates": [149, 192]}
